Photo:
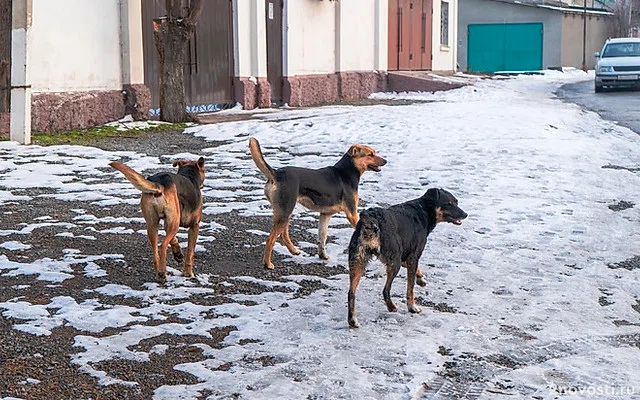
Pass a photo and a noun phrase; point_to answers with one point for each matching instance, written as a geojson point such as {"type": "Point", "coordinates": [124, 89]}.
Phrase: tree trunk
{"type": "Point", "coordinates": [171, 39]}
{"type": "Point", "coordinates": [171, 34]}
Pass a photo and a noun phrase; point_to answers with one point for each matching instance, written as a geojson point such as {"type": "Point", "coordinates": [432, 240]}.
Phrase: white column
{"type": "Point", "coordinates": [20, 122]}
{"type": "Point", "coordinates": [454, 41]}
{"type": "Point", "coordinates": [250, 38]}
{"type": "Point", "coordinates": [338, 39]}
{"type": "Point", "coordinates": [381, 39]}
{"type": "Point", "coordinates": [259, 39]}
{"type": "Point", "coordinates": [131, 42]}
{"type": "Point", "coordinates": [285, 38]}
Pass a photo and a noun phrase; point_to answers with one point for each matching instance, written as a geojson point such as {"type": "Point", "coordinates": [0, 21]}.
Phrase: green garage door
{"type": "Point", "coordinates": [504, 47]}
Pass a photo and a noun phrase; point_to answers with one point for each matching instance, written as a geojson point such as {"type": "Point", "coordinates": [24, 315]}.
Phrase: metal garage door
{"type": "Point", "coordinates": [504, 47]}
{"type": "Point", "coordinates": [208, 70]}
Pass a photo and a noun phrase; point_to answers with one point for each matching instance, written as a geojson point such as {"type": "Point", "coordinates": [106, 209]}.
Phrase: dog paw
{"type": "Point", "coordinates": [323, 255]}
{"type": "Point", "coordinates": [189, 274]}
{"type": "Point", "coordinates": [178, 257]}
{"type": "Point", "coordinates": [421, 281]}
{"type": "Point", "coordinates": [392, 307]}
{"type": "Point", "coordinates": [295, 251]}
{"type": "Point", "coordinates": [270, 266]}
{"type": "Point", "coordinates": [161, 277]}
{"type": "Point", "coordinates": [353, 323]}
{"type": "Point", "coordinates": [414, 309]}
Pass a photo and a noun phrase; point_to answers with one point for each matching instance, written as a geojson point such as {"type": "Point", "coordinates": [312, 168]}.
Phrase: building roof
{"type": "Point", "coordinates": [557, 6]}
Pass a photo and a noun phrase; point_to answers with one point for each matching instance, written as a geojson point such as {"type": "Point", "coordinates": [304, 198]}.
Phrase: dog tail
{"type": "Point", "coordinates": [258, 159]}
{"type": "Point", "coordinates": [365, 241]}
{"type": "Point", "coordinates": [137, 180]}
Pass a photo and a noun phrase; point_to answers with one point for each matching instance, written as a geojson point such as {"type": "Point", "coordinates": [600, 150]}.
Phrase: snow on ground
{"type": "Point", "coordinates": [521, 278]}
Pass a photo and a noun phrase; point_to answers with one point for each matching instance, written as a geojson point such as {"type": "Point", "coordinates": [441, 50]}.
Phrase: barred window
{"type": "Point", "coordinates": [444, 23]}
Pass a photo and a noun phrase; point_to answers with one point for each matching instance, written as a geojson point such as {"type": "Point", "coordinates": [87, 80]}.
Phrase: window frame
{"type": "Point", "coordinates": [445, 9]}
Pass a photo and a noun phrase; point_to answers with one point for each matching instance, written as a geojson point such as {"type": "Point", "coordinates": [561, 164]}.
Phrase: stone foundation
{"type": "Point", "coordinates": [308, 90]}
{"type": "Point", "coordinates": [417, 81]}
{"type": "Point", "coordinates": [52, 112]}
{"type": "Point", "coordinates": [252, 93]}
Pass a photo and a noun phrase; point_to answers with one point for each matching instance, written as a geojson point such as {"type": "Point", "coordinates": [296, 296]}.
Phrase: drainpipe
{"type": "Point", "coordinates": [584, 36]}
{"type": "Point", "coordinates": [20, 122]}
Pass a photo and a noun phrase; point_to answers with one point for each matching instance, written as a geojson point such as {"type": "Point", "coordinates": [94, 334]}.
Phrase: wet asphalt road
{"type": "Point", "coordinates": [622, 106]}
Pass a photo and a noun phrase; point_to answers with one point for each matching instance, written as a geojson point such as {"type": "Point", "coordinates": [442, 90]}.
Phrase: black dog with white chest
{"type": "Point", "coordinates": [397, 236]}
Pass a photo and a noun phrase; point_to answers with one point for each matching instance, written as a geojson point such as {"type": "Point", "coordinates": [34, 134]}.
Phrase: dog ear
{"type": "Point", "coordinates": [433, 194]}
{"type": "Point", "coordinates": [200, 162]}
{"type": "Point", "coordinates": [354, 150]}
{"type": "Point", "coordinates": [178, 163]}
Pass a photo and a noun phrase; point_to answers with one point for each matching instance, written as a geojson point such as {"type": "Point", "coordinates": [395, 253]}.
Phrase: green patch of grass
{"type": "Point", "coordinates": [89, 136]}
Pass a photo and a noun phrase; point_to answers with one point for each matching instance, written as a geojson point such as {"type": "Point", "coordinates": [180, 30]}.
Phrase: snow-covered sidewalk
{"type": "Point", "coordinates": [527, 299]}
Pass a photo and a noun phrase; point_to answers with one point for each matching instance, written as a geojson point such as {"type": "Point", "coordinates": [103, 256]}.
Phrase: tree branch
{"type": "Point", "coordinates": [194, 12]}
{"type": "Point", "coordinates": [174, 9]}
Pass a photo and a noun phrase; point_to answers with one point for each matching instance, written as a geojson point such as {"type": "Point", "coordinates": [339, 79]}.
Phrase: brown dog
{"type": "Point", "coordinates": [328, 190]}
{"type": "Point", "coordinates": [397, 236]}
{"type": "Point", "coordinates": [176, 199]}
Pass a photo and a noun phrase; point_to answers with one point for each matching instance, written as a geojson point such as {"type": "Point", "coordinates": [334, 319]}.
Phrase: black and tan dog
{"type": "Point", "coordinates": [328, 190]}
{"type": "Point", "coordinates": [176, 199]}
{"type": "Point", "coordinates": [397, 236]}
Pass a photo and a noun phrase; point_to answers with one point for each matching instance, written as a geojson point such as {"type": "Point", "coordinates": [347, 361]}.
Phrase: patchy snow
{"type": "Point", "coordinates": [512, 294]}
{"type": "Point", "coordinates": [127, 123]}
{"type": "Point", "coordinates": [14, 245]}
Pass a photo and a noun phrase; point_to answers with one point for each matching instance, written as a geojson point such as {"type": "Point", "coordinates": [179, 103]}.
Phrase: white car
{"type": "Point", "coordinates": [618, 64]}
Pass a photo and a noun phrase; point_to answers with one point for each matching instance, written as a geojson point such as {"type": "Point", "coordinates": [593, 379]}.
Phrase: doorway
{"type": "Point", "coordinates": [274, 48]}
{"type": "Point", "coordinates": [410, 34]}
{"type": "Point", "coordinates": [5, 56]}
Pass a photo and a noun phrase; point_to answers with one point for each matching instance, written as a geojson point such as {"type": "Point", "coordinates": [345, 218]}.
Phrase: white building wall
{"type": "Point", "coordinates": [131, 42]}
{"type": "Point", "coordinates": [75, 45]}
{"type": "Point", "coordinates": [444, 57]}
{"type": "Point", "coordinates": [357, 34]}
{"type": "Point", "coordinates": [311, 37]}
{"type": "Point", "coordinates": [330, 36]}
{"type": "Point", "coordinates": [250, 38]}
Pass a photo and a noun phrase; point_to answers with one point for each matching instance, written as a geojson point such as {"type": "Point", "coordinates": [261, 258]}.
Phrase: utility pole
{"type": "Point", "coordinates": [630, 14]}
{"type": "Point", "coordinates": [584, 36]}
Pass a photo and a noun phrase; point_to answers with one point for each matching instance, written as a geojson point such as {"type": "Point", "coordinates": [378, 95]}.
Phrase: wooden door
{"type": "Point", "coordinates": [5, 56]}
{"type": "Point", "coordinates": [274, 48]}
{"type": "Point", "coordinates": [405, 51]}
{"type": "Point", "coordinates": [426, 35]}
{"type": "Point", "coordinates": [410, 26]}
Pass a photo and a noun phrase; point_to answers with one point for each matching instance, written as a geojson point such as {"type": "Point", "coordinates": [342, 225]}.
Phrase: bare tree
{"type": "Point", "coordinates": [625, 15]}
{"type": "Point", "coordinates": [171, 34]}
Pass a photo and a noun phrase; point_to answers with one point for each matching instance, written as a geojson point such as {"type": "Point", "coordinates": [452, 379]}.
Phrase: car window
{"type": "Point", "coordinates": [621, 50]}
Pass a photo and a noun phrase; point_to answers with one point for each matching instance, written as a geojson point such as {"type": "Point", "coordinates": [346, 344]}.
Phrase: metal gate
{"type": "Point", "coordinates": [274, 48]}
{"type": "Point", "coordinates": [504, 47]}
{"type": "Point", "coordinates": [208, 69]}
{"type": "Point", "coordinates": [5, 56]}
{"type": "Point", "coordinates": [410, 33]}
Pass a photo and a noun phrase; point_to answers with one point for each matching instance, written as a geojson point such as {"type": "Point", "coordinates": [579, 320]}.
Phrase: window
{"type": "Point", "coordinates": [444, 23]}
{"type": "Point", "coordinates": [629, 49]}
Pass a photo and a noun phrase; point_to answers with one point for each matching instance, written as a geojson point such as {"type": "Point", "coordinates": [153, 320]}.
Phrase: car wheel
{"type": "Point", "coordinates": [599, 89]}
